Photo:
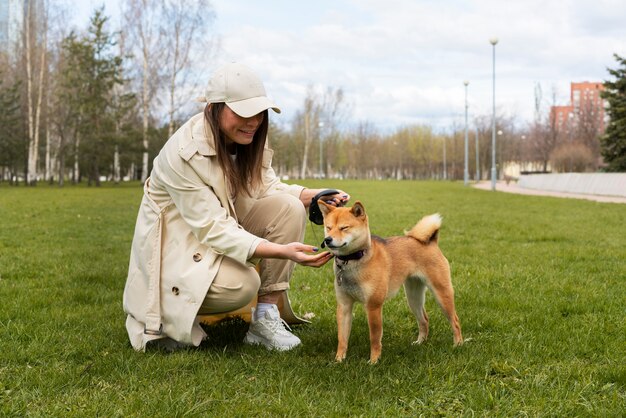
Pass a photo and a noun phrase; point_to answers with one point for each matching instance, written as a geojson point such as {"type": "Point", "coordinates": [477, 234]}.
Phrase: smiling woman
{"type": "Point", "coordinates": [237, 129]}
{"type": "Point", "coordinates": [212, 209]}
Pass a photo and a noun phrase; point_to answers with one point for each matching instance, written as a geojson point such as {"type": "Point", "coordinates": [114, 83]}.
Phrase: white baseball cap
{"type": "Point", "coordinates": [241, 90]}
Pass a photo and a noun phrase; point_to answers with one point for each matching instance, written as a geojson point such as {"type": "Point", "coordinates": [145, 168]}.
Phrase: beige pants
{"type": "Point", "coordinates": [280, 219]}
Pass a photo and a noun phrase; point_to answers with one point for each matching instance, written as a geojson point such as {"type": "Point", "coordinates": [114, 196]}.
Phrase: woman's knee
{"type": "Point", "coordinates": [233, 288]}
{"type": "Point", "coordinates": [250, 287]}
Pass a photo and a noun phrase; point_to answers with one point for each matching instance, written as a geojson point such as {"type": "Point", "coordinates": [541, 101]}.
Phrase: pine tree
{"type": "Point", "coordinates": [13, 145]}
{"type": "Point", "coordinates": [613, 141]}
{"type": "Point", "coordinates": [88, 85]}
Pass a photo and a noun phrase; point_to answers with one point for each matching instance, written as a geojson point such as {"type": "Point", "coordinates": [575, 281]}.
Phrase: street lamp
{"type": "Point", "coordinates": [477, 166]}
{"type": "Point", "coordinates": [493, 41]}
{"type": "Point", "coordinates": [321, 126]}
{"type": "Point", "coordinates": [445, 163]}
{"type": "Point", "coordinates": [465, 170]}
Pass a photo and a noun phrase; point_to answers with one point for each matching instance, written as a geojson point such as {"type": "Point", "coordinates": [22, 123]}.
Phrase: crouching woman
{"type": "Point", "coordinates": [212, 209]}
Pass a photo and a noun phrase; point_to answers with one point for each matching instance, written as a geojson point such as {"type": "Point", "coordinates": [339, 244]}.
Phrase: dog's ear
{"type": "Point", "coordinates": [325, 208]}
{"type": "Point", "coordinates": [358, 210]}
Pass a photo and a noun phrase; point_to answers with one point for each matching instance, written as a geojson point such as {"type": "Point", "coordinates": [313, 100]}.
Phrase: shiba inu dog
{"type": "Point", "coordinates": [370, 270]}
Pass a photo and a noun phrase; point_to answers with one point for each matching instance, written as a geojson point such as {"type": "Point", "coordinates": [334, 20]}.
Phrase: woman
{"type": "Point", "coordinates": [212, 209]}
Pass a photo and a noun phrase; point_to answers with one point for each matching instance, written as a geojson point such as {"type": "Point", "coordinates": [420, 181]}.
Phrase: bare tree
{"type": "Point", "coordinates": [34, 24]}
{"type": "Point", "coordinates": [319, 120]}
{"type": "Point", "coordinates": [310, 114]}
{"type": "Point", "coordinates": [333, 110]}
{"type": "Point", "coordinates": [185, 25]}
{"type": "Point", "coordinates": [142, 20]}
{"type": "Point", "coordinates": [57, 31]}
{"type": "Point", "coordinates": [588, 129]}
{"type": "Point", "coordinates": [544, 132]}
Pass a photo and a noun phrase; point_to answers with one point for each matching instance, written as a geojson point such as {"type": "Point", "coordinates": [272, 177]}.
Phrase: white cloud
{"type": "Point", "coordinates": [404, 61]}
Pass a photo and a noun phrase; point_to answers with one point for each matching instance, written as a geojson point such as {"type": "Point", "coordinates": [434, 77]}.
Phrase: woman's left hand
{"type": "Point", "coordinates": [341, 198]}
{"type": "Point", "coordinates": [338, 199]}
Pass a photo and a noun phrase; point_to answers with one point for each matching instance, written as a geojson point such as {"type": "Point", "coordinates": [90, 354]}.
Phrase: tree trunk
{"type": "Point", "coordinates": [170, 128]}
{"type": "Point", "coordinates": [116, 165]}
{"type": "Point", "coordinates": [33, 113]}
{"type": "Point", "coordinates": [76, 172]}
{"type": "Point", "coordinates": [305, 157]}
{"type": "Point", "coordinates": [145, 109]}
{"type": "Point", "coordinates": [32, 152]}
{"type": "Point", "coordinates": [48, 169]}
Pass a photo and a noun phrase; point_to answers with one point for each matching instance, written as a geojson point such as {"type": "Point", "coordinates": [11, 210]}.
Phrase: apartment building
{"type": "Point", "coordinates": [586, 107]}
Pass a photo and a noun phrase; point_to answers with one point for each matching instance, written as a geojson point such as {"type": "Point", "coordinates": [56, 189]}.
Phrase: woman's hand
{"type": "Point", "coordinates": [338, 199]}
{"type": "Point", "coordinates": [298, 252]}
{"type": "Point", "coordinates": [295, 251]}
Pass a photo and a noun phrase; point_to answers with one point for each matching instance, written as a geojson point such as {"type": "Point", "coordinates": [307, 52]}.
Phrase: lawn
{"type": "Point", "coordinates": [540, 291]}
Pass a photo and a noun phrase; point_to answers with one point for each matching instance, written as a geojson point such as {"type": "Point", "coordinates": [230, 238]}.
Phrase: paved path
{"type": "Point", "coordinates": [512, 187]}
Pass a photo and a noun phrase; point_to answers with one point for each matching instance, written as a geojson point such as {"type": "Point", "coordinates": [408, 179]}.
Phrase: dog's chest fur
{"type": "Point", "coordinates": [346, 279]}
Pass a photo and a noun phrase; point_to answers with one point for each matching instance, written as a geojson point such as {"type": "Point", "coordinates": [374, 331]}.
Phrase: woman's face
{"type": "Point", "coordinates": [237, 129]}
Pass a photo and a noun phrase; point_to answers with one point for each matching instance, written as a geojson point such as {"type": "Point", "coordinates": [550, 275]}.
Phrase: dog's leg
{"type": "Point", "coordinates": [415, 291]}
{"type": "Point", "coordinates": [440, 284]}
{"type": "Point", "coordinates": [344, 325]}
{"type": "Point", "coordinates": [375, 322]}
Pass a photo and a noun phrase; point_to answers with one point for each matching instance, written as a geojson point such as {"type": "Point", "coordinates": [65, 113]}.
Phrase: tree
{"type": "Point", "coordinates": [613, 141]}
{"type": "Point", "coordinates": [333, 110]}
{"type": "Point", "coordinates": [144, 32]}
{"type": "Point", "coordinates": [12, 144]}
{"type": "Point", "coordinates": [310, 117]}
{"type": "Point", "coordinates": [33, 45]}
{"type": "Point", "coordinates": [185, 24]}
{"type": "Point", "coordinates": [543, 131]}
{"type": "Point", "coordinates": [90, 76]}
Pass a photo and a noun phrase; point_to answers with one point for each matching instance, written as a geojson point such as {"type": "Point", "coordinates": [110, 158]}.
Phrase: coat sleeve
{"type": "Point", "coordinates": [201, 208]}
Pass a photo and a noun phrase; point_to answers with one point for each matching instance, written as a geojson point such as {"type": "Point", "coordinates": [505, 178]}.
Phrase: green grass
{"type": "Point", "coordinates": [540, 290]}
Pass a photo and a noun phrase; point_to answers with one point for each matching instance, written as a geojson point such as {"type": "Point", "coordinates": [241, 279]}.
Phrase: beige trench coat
{"type": "Point", "coordinates": [186, 224]}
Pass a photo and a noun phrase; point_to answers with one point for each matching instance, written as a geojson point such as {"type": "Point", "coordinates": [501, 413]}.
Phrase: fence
{"type": "Point", "coordinates": [608, 184]}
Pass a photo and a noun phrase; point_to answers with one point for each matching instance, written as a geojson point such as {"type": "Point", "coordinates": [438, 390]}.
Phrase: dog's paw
{"type": "Point", "coordinates": [462, 341]}
{"type": "Point", "coordinates": [420, 340]}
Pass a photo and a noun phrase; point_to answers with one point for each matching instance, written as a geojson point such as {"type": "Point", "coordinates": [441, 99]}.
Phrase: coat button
{"type": "Point", "coordinates": [197, 257]}
{"type": "Point", "coordinates": [175, 290]}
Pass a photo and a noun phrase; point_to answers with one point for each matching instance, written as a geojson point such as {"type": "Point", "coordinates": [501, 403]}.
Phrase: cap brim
{"type": "Point", "coordinates": [250, 107]}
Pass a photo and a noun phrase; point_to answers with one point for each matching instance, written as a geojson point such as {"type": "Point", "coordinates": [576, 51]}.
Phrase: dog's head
{"type": "Point", "coordinates": [346, 229]}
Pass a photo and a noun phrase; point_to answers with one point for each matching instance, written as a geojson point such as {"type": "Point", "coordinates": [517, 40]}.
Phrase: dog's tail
{"type": "Point", "coordinates": [427, 229]}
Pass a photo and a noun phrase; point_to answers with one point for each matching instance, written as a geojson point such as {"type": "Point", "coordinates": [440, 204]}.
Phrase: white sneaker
{"type": "Point", "coordinates": [270, 331]}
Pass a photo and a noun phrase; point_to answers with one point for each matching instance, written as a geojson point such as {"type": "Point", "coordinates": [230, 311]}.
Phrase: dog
{"type": "Point", "coordinates": [369, 269]}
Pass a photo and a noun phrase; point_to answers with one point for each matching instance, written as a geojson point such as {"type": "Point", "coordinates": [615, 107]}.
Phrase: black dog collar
{"type": "Point", "coordinates": [354, 256]}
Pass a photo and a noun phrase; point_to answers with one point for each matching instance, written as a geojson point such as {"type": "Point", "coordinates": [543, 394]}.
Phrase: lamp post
{"type": "Point", "coordinates": [445, 164]}
{"type": "Point", "coordinates": [321, 126]}
{"type": "Point", "coordinates": [465, 169]}
{"type": "Point", "coordinates": [477, 166]}
{"type": "Point", "coordinates": [493, 41]}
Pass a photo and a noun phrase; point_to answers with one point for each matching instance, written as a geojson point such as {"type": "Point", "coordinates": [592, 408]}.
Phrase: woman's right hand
{"type": "Point", "coordinates": [299, 253]}
{"type": "Point", "coordinates": [295, 251]}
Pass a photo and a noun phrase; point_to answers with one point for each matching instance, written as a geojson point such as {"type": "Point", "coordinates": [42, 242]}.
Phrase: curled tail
{"type": "Point", "coordinates": [427, 229]}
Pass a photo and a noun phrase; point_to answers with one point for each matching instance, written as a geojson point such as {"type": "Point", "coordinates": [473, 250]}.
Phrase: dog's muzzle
{"type": "Point", "coordinates": [327, 241]}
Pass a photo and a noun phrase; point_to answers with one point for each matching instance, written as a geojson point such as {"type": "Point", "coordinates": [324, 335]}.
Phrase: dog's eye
{"type": "Point", "coordinates": [343, 228]}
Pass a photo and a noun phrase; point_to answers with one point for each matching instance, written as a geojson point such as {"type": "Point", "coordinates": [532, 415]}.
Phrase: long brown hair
{"type": "Point", "coordinates": [244, 173]}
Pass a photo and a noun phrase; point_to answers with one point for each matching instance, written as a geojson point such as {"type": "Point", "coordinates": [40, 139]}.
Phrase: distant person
{"type": "Point", "coordinates": [212, 208]}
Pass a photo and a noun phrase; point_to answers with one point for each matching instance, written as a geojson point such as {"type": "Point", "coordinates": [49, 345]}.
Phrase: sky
{"type": "Point", "coordinates": [404, 62]}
